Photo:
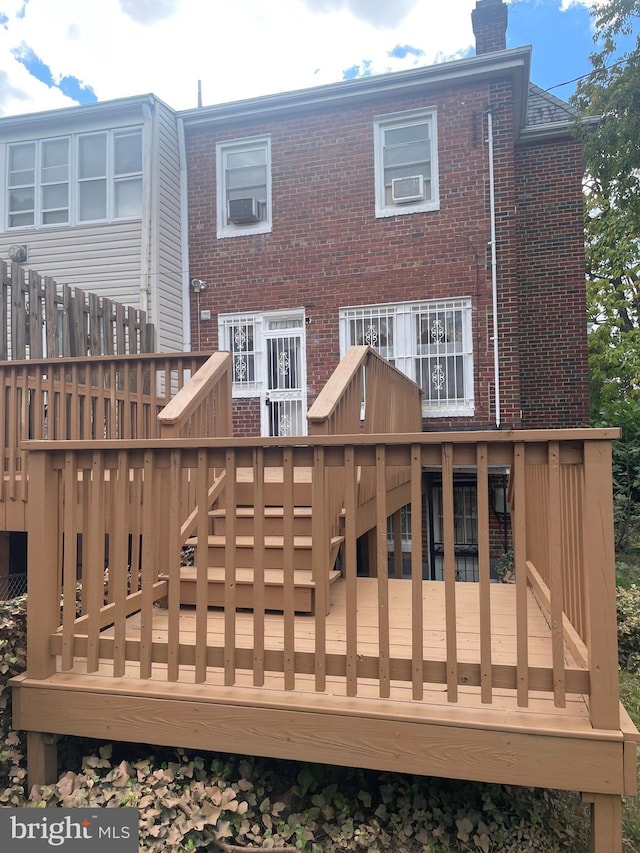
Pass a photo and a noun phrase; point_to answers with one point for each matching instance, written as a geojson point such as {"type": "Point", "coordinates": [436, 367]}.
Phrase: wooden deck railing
{"type": "Point", "coordinates": [365, 394]}
{"type": "Point", "coordinates": [79, 399]}
{"type": "Point", "coordinates": [560, 481]}
{"type": "Point", "coordinates": [202, 408]}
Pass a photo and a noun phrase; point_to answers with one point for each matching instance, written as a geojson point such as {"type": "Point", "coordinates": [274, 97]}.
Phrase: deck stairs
{"type": "Point", "coordinates": [272, 547]}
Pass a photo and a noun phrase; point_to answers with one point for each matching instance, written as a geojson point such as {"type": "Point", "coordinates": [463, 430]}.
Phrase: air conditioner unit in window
{"type": "Point", "coordinates": [407, 189]}
{"type": "Point", "coordinates": [243, 210]}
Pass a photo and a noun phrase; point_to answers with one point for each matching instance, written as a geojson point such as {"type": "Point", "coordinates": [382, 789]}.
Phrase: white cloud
{"type": "Point", "coordinates": [238, 50]}
{"type": "Point", "coordinates": [149, 11]}
{"type": "Point", "coordinates": [380, 13]}
{"type": "Point", "coordinates": [567, 4]}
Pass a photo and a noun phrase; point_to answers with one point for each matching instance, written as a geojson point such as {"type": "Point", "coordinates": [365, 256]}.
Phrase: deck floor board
{"type": "Point", "coordinates": [541, 710]}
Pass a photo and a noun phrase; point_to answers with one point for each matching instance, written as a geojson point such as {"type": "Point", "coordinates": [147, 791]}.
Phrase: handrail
{"type": "Point", "coordinates": [129, 492]}
{"type": "Point", "coordinates": [365, 394]}
{"type": "Point", "coordinates": [202, 407]}
{"type": "Point", "coordinates": [363, 376]}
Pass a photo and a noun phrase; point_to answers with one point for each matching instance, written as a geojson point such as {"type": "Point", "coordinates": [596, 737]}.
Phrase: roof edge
{"type": "Point", "coordinates": [516, 61]}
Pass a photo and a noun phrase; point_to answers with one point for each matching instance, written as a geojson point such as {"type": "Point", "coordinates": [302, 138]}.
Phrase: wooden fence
{"type": "Point", "coordinates": [42, 319]}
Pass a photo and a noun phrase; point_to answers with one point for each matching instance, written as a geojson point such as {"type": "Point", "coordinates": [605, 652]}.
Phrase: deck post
{"type": "Point", "coordinates": [600, 583]}
{"type": "Point", "coordinates": [43, 571]}
{"type": "Point", "coordinates": [606, 822]}
{"type": "Point", "coordinates": [42, 759]}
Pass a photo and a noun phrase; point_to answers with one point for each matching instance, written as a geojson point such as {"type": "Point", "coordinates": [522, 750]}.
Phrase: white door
{"type": "Point", "coordinates": [284, 399]}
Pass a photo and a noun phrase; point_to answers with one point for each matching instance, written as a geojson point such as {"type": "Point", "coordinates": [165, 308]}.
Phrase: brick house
{"type": "Point", "coordinates": [397, 211]}
{"type": "Point", "coordinates": [363, 212]}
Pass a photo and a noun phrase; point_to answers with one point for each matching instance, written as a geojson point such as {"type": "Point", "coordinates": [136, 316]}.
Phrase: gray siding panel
{"type": "Point", "coordinates": [168, 300]}
{"type": "Point", "coordinates": [102, 258]}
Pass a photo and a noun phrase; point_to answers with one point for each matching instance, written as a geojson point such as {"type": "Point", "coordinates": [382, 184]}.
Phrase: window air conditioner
{"type": "Point", "coordinates": [407, 189]}
{"type": "Point", "coordinates": [243, 210]}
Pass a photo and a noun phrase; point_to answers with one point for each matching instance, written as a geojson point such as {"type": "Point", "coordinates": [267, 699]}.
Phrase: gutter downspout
{"type": "Point", "coordinates": [184, 240]}
{"type": "Point", "coordinates": [494, 268]}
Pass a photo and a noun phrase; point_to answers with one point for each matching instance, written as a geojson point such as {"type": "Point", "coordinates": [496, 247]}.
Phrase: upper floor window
{"type": "Point", "coordinates": [244, 187]}
{"type": "Point", "coordinates": [406, 163]}
{"type": "Point", "coordinates": [430, 342]}
{"type": "Point", "coordinates": [89, 177]}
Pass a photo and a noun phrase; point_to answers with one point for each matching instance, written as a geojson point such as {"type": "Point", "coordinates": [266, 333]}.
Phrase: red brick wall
{"type": "Point", "coordinates": [552, 294]}
{"type": "Point", "coordinates": [327, 250]}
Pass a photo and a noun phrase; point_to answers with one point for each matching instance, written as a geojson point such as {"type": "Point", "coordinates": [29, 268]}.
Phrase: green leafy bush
{"type": "Point", "coordinates": [628, 605]}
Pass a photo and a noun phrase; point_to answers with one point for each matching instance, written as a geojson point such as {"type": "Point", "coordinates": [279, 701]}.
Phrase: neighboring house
{"type": "Point", "coordinates": [362, 212]}
{"type": "Point", "coordinates": [94, 195]}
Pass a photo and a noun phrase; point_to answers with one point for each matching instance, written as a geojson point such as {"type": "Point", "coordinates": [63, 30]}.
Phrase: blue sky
{"type": "Point", "coordinates": [56, 53]}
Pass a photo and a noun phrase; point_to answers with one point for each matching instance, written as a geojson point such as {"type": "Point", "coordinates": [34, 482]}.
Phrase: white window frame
{"type": "Point", "coordinates": [225, 228]}
{"type": "Point", "coordinates": [405, 351]}
{"type": "Point", "coordinates": [392, 121]}
{"type": "Point", "coordinates": [249, 323]}
{"type": "Point", "coordinates": [73, 179]}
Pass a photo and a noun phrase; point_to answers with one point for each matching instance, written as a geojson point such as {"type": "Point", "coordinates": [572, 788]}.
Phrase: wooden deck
{"type": "Point", "coordinates": [499, 741]}
{"type": "Point", "coordinates": [515, 684]}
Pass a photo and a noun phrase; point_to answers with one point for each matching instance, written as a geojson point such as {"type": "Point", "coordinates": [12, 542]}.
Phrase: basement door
{"type": "Point", "coordinates": [284, 398]}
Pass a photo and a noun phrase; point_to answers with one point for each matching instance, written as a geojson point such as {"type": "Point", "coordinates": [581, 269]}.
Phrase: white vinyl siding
{"type": "Point", "coordinates": [406, 151]}
{"type": "Point", "coordinates": [431, 342]}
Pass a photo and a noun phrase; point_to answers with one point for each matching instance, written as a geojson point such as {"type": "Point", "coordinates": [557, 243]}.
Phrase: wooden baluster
{"type": "Point", "coordinates": [417, 586]}
{"type": "Point", "coordinates": [384, 674]}
{"type": "Point", "coordinates": [288, 592]}
{"type": "Point", "coordinates": [449, 572]}
{"type": "Point", "coordinates": [351, 571]}
{"type": "Point", "coordinates": [174, 520]}
{"type": "Point", "coordinates": [119, 559]}
{"type": "Point", "coordinates": [554, 520]}
{"type": "Point", "coordinates": [484, 571]}
{"type": "Point", "coordinates": [149, 557]}
{"type": "Point", "coordinates": [519, 521]}
{"type": "Point", "coordinates": [258, 567]}
{"type": "Point", "coordinates": [231, 561]}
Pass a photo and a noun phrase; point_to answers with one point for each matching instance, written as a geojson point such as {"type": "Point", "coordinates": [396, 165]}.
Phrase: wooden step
{"type": "Point", "coordinates": [273, 520]}
{"type": "Point", "coordinates": [303, 591]}
{"type": "Point", "coordinates": [273, 549]}
{"type": "Point", "coordinates": [274, 486]}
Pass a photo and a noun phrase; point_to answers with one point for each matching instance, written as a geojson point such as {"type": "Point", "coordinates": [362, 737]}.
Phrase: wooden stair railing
{"type": "Point", "coordinates": [203, 409]}
{"type": "Point", "coordinates": [367, 395]}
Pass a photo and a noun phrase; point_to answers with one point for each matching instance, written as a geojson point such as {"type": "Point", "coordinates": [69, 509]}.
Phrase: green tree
{"type": "Point", "coordinates": [611, 96]}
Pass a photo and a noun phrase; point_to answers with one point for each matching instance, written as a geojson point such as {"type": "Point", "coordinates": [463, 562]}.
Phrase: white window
{"type": "Point", "coordinates": [110, 176]}
{"type": "Point", "coordinates": [80, 178]}
{"type": "Point", "coordinates": [241, 335]}
{"type": "Point", "coordinates": [431, 342]}
{"type": "Point", "coordinates": [406, 163]}
{"type": "Point", "coordinates": [244, 187]}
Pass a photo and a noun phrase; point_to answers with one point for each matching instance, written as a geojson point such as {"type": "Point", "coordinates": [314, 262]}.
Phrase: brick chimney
{"type": "Point", "coordinates": [489, 21]}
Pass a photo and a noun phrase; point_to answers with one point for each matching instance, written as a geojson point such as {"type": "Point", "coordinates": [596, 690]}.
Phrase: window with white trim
{"type": "Point", "coordinates": [243, 174]}
{"type": "Point", "coordinates": [240, 334]}
{"type": "Point", "coordinates": [431, 342]}
{"type": "Point", "coordinates": [92, 177]}
{"type": "Point", "coordinates": [406, 162]}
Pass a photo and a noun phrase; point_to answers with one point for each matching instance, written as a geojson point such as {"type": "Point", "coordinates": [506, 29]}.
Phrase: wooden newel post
{"type": "Point", "coordinates": [43, 571]}
{"type": "Point", "coordinates": [43, 604]}
{"type": "Point", "coordinates": [600, 585]}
